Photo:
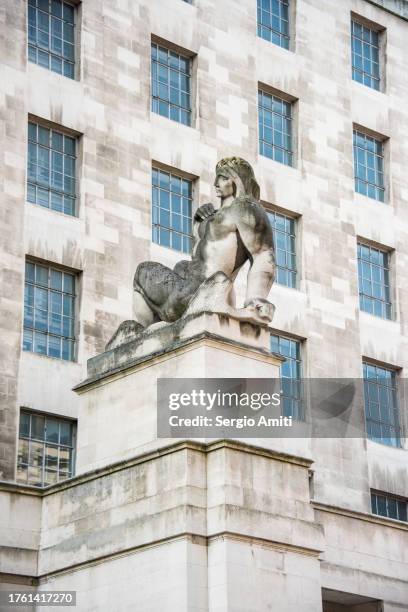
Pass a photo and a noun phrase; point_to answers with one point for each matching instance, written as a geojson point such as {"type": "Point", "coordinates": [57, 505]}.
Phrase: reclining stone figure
{"type": "Point", "coordinates": [224, 240]}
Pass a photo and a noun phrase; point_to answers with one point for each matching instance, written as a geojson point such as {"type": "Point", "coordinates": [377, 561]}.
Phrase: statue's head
{"type": "Point", "coordinates": [240, 178]}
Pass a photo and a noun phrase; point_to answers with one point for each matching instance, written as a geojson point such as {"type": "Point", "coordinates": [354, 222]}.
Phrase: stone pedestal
{"type": "Point", "coordinates": [161, 525]}
{"type": "Point", "coordinates": [118, 400]}
{"type": "Point", "coordinates": [205, 525]}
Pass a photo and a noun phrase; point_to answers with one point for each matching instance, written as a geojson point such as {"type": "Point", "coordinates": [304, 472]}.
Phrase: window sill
{"type": "Point", "coordinates": [172, 121]}
{"type": "Point", "coordinates": [278, 164]}
{"type": "Point", "coordinates": [276, 46]}
{"type": "Point", "coordinates": [51, 210]}
{"type": "Point", "coordinates": [49, 358]}
{"type": "Point", "coordinates": [372, 317]}
{"type": "Point", "coordinates": [44, 70]}
{"type": "Point", "coordinates": [360, 198]}
{"type": "Point", "coordinates": [360, 87]}
{"type": "Point", "coordinates": [388, 446]}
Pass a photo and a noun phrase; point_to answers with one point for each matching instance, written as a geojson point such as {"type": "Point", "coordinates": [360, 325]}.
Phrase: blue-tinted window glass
{"type": "Point", "coordinates": [273, 21]}
{"type": "Point", "coordinates": [45, 449]}
{"type": "Point", "coordinates": [49, 312]}
{"type": "Point", "coordinates": [365, 51]}
{"type": "Point", "coordinates": [389, 506]}
{"type": "Point", "coordinates": [51, 169]}
{"type": "Point", "coordinates": [172, 201]}
{"type": "Point", "coordinates": [283, 228]}
{"type": "Point", "coordinates": [291, 373]}
{"type": "Point", "coordinates": [51, 35]}
{"type": "Point", "coordinates": [275, 128]}
{"type": "Point", "coordinates": [368, 166]}
{"type": "Point", "coordinates": [381, 405]}
{"type": "Point", "coordinates": [374, 281]}
{"type": "Point", "coordinates": [171, 84]}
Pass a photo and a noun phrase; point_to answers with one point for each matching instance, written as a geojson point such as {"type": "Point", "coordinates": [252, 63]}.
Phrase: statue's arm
{"type": "Point", "coordinates": [202, 213]}
{"type": "Point", "coordinates": [256, 235]}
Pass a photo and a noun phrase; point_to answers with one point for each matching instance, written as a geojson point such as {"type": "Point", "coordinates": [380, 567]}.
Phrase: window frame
{"type": "Point", "coordinates": [75, 4]}
{"type": "Point", "coordinates": [382, 44]}
{"type": "Point", "coordinates": [44, 442]}
{"type": "Point", "coordinates": [300, 399]}
{"type": "Point", "coordinates": [75, 318]}
{"type": "Point", "coordinates": [369, 135]}
{"type": "Point", "coordinates": [184, 176]}
{"type": "Point", "coordinates": [385, 271]}
{"type": "Point", "coordinates": [293, 102]}
{"type": "Point", "coordinates": [289, 36]}
{"type": "Point", "coordinates": [77, 160]}
{"type": "Point", "coordinates": [393, 389]}
{"type": "Point", "coordinates": [388, 497]}
{"type": "Point", "coordinates": [186, 54]}
{"type": "Point", "coordinates": [273, 210]}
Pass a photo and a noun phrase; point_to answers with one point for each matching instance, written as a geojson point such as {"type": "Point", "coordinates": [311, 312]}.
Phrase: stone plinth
{"type": "Point", "coordinates": [161, 339]}
{"type": "Point", "coordinates": [117, 415]}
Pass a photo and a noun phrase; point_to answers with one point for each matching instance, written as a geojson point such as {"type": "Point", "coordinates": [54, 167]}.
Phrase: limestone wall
{"type": "Point", "coordinates": [194, 527]}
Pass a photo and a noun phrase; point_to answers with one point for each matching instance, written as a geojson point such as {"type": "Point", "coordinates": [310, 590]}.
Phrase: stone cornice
{"type": "Point", "coordinates": [235, 445]}
{"type": "Point", "coordinates": [396, 7]}
{"type": "Point", "coordinates": [201, 339]}
{"type": "Point", "coordinates": [361, 516]}
{"type": "Point", "coordinates": [195, 538]}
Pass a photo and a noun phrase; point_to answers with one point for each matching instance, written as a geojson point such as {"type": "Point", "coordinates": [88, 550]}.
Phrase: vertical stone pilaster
{"type": "Point", "coordinates": [12, 189]}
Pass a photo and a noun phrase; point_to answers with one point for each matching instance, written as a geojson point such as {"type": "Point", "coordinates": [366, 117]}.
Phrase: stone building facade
{"type": "Point", "coordinates": [102, 102]}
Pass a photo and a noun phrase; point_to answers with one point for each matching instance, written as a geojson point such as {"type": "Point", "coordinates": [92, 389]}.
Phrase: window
{"type": "Point", "coordinates": [171, 84]}
{"type": "Point", "coordinates": [390, 506]}
{"type": "Point", "coordinates": [365, 50]}
{"type": "Point", "coordinates": [273, 21]}
{"type": "Point", "coordinates": [45, 449]}
{"type": "Point", "coordinates": [374, 281]}
{"type": "Point", "coordinates": [275, 128]}
{"type": "Point", "coordinates": [381, 404]}
{"type": "Point", "coordinates": [283, 228]}
{"type": "Point", "coordinates": [51, 40]}
{"type": "Point", "coordinates": [368, 166]}
{"type": "Point", "coordinates": [291, 372]}
{"type": "Point", "coordinates": [51, 169]}
{"type": "Point", "coordinates": [49, 311]}
{"type": "Point", "coordinates": [172, 210]}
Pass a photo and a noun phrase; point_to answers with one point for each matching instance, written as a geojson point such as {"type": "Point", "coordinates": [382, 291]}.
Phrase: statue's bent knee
{"type": "Point", "coordinates": [141, 275]}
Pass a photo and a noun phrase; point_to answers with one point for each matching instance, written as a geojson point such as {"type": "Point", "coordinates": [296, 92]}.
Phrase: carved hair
{"type": "Point", "coordinates": [236, 167]}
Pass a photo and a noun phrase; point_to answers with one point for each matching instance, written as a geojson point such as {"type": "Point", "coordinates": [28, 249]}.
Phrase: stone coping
{"type": "Point", "coordinates": [165, 353]}
{"type": "Point", "coordinates": [192, 445]}
{"type": "Point", "coordinates": [396, 7]}
{"type": "Point", "coordinates": [192, 537]}
{"type": "Point", "coordinates": [362, 516]}
{"type": "Point", "coordinates": [235, 445]}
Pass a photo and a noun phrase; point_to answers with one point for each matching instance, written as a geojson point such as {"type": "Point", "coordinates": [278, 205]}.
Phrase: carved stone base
{"type": "Point", "coordinates": [130, 345]}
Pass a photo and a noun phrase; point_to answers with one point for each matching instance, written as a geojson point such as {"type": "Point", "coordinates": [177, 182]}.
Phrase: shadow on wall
{"type": "Point", "coordinates": [336, 601]}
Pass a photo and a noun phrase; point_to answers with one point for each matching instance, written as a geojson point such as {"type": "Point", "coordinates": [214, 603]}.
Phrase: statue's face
{"type": "Point", "coordinates": [224, 186]}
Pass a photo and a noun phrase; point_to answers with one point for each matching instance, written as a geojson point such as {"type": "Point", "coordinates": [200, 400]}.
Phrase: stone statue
{"type": "Point", "coordinates": [224, 240]}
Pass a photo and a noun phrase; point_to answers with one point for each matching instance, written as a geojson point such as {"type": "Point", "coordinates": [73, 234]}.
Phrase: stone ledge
{"type": "Point", "coordinates": [189, 536]}
{"type": "Point", "coordinates": [396, 7]}
{"type": "Point", "coordinates": [361, 516]}
{"type": "Point", "coordinates": [18, 579]}
{"type": "Point", "coordinates": [203, 339]}
{"type": "Point", "coordinates": [13, 487]}
{"type": "Point", "coordinates": [153, 343]}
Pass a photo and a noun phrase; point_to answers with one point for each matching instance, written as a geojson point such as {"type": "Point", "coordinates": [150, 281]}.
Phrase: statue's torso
{"type": "Point", "coordinates": [220, 248]}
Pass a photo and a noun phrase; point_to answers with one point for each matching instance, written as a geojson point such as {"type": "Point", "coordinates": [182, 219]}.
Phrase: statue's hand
{"type": "Point", "coordinates": [262, 308]}
{"type": "Point", "coordinates": [203, 212]}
